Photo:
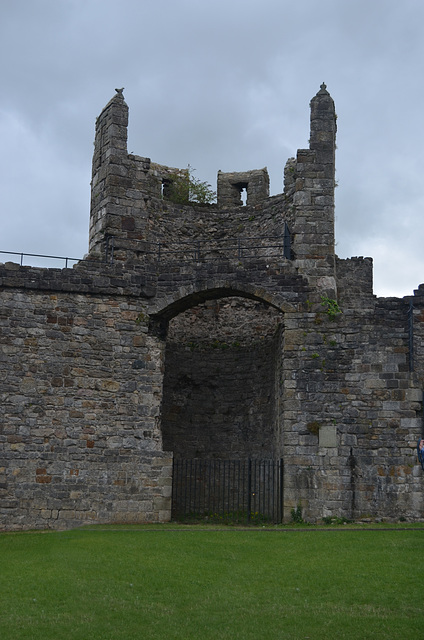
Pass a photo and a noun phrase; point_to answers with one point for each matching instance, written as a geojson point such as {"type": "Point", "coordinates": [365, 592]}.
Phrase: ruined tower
{"type": "Point", "coordinates": [216, 331]}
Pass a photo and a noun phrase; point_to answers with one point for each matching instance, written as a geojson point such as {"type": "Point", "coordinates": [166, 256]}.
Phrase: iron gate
{"type": "Point", "coordinates": [249, 491]}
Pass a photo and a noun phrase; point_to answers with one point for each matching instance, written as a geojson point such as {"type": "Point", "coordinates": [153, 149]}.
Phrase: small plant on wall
{"type": "Point", "coordinates": [313, 427]}
{"type": "Point", "coordinates": [331, 306]}
{"type": "Point", "coordinates": [186, 189]}
{"type": "Point", "coordinates": [296, 514]}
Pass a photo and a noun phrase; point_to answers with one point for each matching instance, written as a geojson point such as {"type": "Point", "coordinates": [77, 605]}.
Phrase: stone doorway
{"type": "Point", "coordinates": [221, 384]}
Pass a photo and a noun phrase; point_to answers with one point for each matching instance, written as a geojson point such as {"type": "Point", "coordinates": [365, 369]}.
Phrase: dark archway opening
{"type": "Point", "coordinates": [221, 383]}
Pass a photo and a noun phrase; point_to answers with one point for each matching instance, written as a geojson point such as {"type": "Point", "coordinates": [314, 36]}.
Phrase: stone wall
{"type": "Point", "coordinates": [354, 414]}
{"type": "Point", "coordinates": [192, 330]}
{"type": "Point", "coordinates": [79, 405]}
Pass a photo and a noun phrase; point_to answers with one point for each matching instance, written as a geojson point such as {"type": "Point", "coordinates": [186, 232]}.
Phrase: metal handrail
{"type": "Point", "coordinates": [39, 255]}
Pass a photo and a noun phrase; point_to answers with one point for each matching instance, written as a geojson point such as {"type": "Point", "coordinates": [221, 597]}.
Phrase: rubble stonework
{"type": "Point", "coordinates": [207, 331]}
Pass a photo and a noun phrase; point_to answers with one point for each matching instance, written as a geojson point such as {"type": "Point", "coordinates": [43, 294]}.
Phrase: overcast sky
{"type": "Point", "coordinates": [222, 84]}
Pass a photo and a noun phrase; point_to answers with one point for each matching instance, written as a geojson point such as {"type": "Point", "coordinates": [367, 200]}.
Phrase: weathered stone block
{"type": "Point", "coordinates": [328, 436]}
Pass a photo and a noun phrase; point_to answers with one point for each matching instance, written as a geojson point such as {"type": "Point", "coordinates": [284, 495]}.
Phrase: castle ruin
{"type": "Point", "coordinates": [219, 331]}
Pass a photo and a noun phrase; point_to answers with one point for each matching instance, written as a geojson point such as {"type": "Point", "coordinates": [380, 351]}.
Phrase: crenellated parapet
{"type": "Point", "coordinates": [132, 204]}
{"type": "Point", "coordinates": [231, 186]}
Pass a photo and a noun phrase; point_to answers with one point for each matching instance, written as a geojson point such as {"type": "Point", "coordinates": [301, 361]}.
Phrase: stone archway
{"type": "Point", "coordinates": [221, 394]}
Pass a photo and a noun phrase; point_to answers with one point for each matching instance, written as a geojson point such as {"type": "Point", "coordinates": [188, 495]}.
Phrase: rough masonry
{"type": "Point", "coordinates": [207, 332]}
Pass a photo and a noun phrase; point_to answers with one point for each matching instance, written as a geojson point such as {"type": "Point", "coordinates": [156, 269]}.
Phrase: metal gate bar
{"type": "Point", "coordinates": [227, 490]}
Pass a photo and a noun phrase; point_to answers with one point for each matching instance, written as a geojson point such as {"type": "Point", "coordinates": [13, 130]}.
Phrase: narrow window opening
{"type": "Point", "coordinates": [243, 195]}
{"type": "Point", "coordinates": [242, 190]}
{"type": "Point", "coordinates": [166, 188]}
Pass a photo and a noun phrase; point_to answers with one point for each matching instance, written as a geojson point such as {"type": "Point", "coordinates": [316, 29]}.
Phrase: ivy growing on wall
{"type": "Point", "coordinates": [331, 306]}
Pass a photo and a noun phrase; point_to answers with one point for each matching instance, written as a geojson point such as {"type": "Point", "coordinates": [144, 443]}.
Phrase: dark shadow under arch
{"type": "Point", "coordinates": [221, 391]}
{"type": "Point", "coordinates": [170, 307]}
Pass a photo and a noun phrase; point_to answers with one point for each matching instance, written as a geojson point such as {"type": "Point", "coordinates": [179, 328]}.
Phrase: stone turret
{"type": "Point", "coordinates": [130, 202]}
{"type": "Point", "coordinates": [313, 174]}
{"type": "Point", "coordinates": [323, 129]}
{"type": "Point", "coordinates": [111, 133]}
{"type": "Point", "coordinates": [108, 172]}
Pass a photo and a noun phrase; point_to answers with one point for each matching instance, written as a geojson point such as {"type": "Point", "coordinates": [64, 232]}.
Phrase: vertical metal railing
{"type": "Point", "coordinates": [249, 490]}
{"type": "Point", "coordinates": [411, 335]}
{"type": "Point", "coordinates": [222, 490]}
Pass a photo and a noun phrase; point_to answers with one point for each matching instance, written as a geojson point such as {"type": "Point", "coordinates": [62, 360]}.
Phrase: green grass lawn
{"type": "Point", "coordinates": [169, 583]}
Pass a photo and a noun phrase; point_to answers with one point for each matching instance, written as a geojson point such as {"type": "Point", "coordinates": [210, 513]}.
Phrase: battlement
{"type": "Point", "coordinates": [231, 186]}
{"type": "Point", "coordinates": [131, 199]}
